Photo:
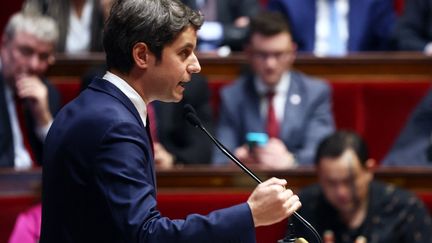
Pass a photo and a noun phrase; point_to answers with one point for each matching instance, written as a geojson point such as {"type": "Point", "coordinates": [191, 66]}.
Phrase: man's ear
{"type": "Point", "coordinates": [140, 54]}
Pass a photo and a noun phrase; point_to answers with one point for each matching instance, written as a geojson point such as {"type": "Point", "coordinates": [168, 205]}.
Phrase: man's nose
{"type": "Point", "coordinates": [35, 63]}
{"type": "Point", "coordinates": [271, 61]}
{"type": "Point", "coordinates": [194, 66]}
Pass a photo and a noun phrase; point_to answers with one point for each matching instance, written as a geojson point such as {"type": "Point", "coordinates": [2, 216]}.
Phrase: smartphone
{"type": "Point", "coordinates": [254, 139]}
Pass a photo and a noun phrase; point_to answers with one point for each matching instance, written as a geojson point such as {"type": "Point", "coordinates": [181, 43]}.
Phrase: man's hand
{"type": "Point", "coordinates": [270, 202]}
{"type": "Point", "coordinates": [163, 158]}
{"type": "Point", "coordinates": [273, 155]}
{"type": "Point", "coordinates": [32, 89]}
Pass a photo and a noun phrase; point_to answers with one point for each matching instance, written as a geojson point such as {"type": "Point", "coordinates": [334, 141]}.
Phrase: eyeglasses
{"type": "Point", "coordinates": [280, 55]}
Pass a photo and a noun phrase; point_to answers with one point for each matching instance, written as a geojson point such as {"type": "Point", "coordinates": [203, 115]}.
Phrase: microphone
{"type": "Point", "coordinates": [192, 118]}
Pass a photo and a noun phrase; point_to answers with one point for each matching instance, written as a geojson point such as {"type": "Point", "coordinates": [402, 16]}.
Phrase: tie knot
{"type": "Point", "coordinates": [270, 94]}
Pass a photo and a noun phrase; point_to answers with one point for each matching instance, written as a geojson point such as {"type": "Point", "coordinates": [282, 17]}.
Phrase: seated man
{"type": "Point", "coordinates": [296, 118]}
{"type": "Point", "coordinates": [334, 28]}
{"type": "Point", "coordinates": [27, 100]}
{"type": "Point", "coordinates": [349, 206]}
{"type": "Point", "coordinates": [414, 145]}
{"type": "Point", "coordinates": [226, 22]}
{"type": "Point", "coordinates": [414, 28]}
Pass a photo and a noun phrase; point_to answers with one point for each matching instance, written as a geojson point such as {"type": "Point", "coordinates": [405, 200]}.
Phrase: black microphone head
{"type": "Point", "coordinates": [193, 119]}
{"type": "Point", "coordinates": [188, 108]}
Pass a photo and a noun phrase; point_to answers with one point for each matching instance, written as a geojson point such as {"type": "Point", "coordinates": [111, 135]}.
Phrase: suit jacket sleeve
{"type": "Point", "coordinates": [125, 181]}
{"type": "Point", "coordinates": [54, 106]}
{"type": "Point", "coordinates": [228, 127]}
{"type": "Point", "coordinates": [411, 145]}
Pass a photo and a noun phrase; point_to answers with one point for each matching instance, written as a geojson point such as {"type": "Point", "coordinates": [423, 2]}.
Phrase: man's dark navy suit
{"type": "Point", "coordinates": [99, 180]}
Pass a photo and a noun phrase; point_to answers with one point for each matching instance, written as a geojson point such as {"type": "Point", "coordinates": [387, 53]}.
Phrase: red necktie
{"type": "Point", "coordinates": [19, 108]}
{"type": "Point", "coordinates": [272, 123]}
{"type": "Point", "coordinates": [153, 124]}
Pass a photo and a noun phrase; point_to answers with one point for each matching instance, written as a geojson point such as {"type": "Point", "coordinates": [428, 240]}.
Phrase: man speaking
{"type": "Point", "coordinates": [99, 179]}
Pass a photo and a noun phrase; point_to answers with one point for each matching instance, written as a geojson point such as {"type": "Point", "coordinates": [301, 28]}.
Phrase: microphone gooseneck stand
{"type": "Point", "coordinates": [192, 118]}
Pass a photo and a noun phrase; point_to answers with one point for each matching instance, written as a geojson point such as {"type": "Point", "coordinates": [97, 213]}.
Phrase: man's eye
{"type": "Point", "coordinates": [185, 54]}
{"type": "Point", "coordinates": [26, 51]}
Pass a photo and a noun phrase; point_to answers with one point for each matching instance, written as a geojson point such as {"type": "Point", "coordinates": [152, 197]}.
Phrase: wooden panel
{"type": "Point", "coordinates": [359, 67]}
{"type": "Point", "coordinates": [229, 178]}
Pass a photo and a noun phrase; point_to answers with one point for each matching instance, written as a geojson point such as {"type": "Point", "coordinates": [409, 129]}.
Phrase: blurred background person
{"type": "Point", "coordinates": [80, 22]}
{"type": "Point", "coordinates": [293, 109]}
{"type": "Point", "coordinates": [226, 22]}
{"type": "Point", "coordinates": [413, 147]}
{"type": "Point", "coordinates": [28, 222]}
{"type": "Point", "coordinates": [337, 27]}
{"type": "Point", "coordinates": [27, 100]}
{"type": "Point", "coordinates": [27, 226]}
{"type": "Point", "coordinates": [348, 205]}
{"type": "Point", "coordinates": [414, 28]}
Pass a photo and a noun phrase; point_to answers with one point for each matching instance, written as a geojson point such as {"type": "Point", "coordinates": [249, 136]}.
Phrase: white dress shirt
{"type": "Point", "coordinates": [279, 99]}
{"type": "Point", "coordinates": [322, 25]}
{"type": "Point", "coordinates": [79, 31]}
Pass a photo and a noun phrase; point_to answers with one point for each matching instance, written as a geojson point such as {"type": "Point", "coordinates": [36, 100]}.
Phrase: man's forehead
{"type": "Point", "coordinates": [346, 161]}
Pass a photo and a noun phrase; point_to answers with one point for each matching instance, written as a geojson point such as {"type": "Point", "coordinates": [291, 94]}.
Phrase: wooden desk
{"type": "Point", "coordinates": [355, 67]}
{"type": "Point", "coordinates": [223, 179]}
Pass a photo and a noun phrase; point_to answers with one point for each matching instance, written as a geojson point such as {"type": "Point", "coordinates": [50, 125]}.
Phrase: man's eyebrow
{"type": "Point", "coordinates": [187, 45]}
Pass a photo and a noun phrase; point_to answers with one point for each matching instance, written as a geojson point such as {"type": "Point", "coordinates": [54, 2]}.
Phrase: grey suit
{"type": "Point", "coordinates": [411, 145]}
{"type": "Point", "coordinates": [304, 124]}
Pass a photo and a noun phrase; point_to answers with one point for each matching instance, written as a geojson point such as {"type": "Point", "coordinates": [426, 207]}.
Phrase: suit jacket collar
{"type": "Point", "coordinates": [105, 86]}
{"type": "Point", "coordinates": [7, 155]}
{"type": "Point", "coordinates": [252, 106]}
{"type": "Point", "coordinates": [293, 107]}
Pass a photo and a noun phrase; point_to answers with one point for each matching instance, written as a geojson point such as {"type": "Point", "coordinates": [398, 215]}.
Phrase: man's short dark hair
{"type": "Point", "coordinates": [156, 23]}
{"type": "Point", "coordinates": [337, 143]}
{"type": "Point", "coordinates": [268, 23]}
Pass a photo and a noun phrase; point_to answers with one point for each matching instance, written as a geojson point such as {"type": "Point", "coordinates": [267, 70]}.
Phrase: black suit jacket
{"type": "Point", "coordinates": [6, 139]}
{"type": "Point", "coordinates": [188, 144]}
{"type": "Point", "coordinates": [414, 28]}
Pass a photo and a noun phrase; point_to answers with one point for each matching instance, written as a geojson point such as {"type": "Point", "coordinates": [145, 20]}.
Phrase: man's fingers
{"type": "Point", "coordinates": [274, 181]}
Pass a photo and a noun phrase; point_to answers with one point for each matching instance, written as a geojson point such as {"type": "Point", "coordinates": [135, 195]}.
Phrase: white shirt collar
{"type": "Point", "coordinates": [130, 92]}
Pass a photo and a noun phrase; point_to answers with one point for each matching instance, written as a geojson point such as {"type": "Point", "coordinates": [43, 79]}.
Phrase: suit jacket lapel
{"type": "Point", "coordinates": [293, 110]}
{"type": "Point", "coordinates": [110, 89]}
{"type": "Point", "coordinates": [253, 118]}
{"type": "Point", "coordinates": [6, 140]}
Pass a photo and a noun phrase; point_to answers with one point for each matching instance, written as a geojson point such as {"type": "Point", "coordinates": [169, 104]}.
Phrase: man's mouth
{"type": "Point", "coordinates": [183, 84]}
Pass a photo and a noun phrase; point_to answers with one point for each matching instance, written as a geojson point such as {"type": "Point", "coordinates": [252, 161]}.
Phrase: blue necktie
{"type": "Point", "coordinates": [336, 47]}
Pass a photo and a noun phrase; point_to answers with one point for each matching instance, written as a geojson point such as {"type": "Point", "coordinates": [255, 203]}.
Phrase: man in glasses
{"type": "Point", "coordinates": [291, 109]}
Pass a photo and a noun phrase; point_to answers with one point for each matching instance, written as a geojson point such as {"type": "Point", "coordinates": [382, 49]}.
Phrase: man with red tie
{"type": "Point", "coordinates": [292, 109]}
{"type": "Point", "coordinates": [27, 101]}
